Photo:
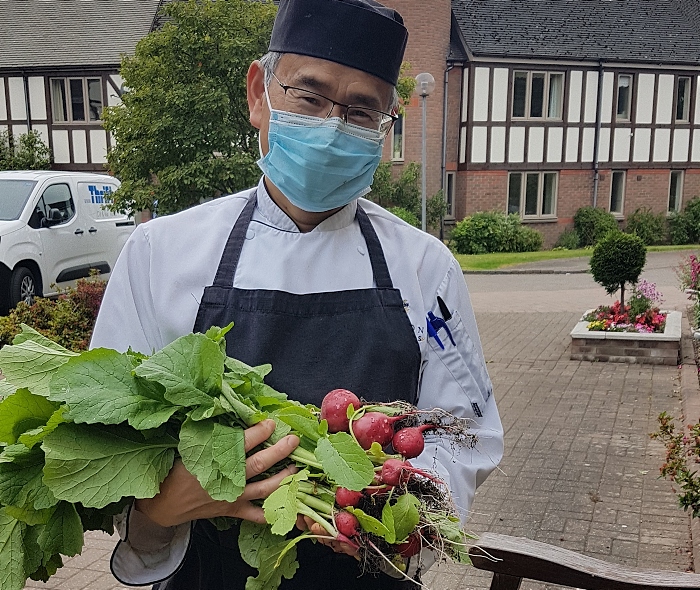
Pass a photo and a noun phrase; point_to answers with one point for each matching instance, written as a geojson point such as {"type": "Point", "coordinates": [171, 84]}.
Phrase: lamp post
{"type": "Point", "coordinates": [425, 84]}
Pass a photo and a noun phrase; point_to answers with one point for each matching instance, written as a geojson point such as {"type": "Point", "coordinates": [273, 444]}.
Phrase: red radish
{"type": "Point", "coordinates": [395, 472]}
{"type": "Point", "coordinates": [379, 489]}
{"type": "Point", "coordinates": [345, 497]}
{"type": "Point", "coordinates": [411, 547]}
{"type": "Point", "coordinates": [409, 441]}
{"type": "Point", "coordinates": [347, 524]}
{"type": "Point", "coordinates": [374, 427]}
{"type": "Point", "coordinates": [334, 409]}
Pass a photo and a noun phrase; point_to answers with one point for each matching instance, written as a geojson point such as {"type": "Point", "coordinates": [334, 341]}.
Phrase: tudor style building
{"type": "Point", "coordinates": [59, 66]}
{"type": "Point", "coordinates": [549, 105]}
{"type": "Point", "coordinates": [540, 106]}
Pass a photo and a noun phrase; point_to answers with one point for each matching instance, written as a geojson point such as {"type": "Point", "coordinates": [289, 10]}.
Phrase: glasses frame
{"type": "Point", "coordinates": [388, 118]}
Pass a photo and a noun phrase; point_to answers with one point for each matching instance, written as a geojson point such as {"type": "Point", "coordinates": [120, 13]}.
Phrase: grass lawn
{"type": "Point", "coordinates": [501, 260]}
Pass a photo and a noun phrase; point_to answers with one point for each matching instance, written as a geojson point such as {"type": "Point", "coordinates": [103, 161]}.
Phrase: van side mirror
{"type": "Point", "coordinates": [54, 218]}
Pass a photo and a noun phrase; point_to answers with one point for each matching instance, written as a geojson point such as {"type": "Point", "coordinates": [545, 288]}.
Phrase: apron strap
{"type": "Point", "coordinates": [380, 270]}
{"type": "Point", "coordinates": [232, 251]}
{"type": "Point", "coordinates": [234, 244]}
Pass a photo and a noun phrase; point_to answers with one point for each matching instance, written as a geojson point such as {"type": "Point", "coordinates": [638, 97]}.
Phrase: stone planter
{"type": "Point", "coordinates": [628, 347]}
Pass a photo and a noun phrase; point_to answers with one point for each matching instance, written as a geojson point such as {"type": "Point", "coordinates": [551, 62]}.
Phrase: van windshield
{"type": "Point", "coordinates": [13, 197]}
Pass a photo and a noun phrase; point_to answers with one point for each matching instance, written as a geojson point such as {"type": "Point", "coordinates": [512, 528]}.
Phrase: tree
{"type": "Point", "coordinates": [404, 192]}
{"type": "Point", "coordinates": [618, 259]}
{"type": "Point", "coordinates": [29, 152]}
{"type": "Point", "coordinates": [182, 131]}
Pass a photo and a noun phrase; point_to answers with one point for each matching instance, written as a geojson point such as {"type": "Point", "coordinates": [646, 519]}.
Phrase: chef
{"type": "Point", "coordinates": [331, 289]}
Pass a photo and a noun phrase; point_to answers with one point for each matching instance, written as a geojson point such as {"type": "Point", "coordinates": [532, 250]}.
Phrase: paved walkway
{"type": "Point", "coordinates": [579, 470]}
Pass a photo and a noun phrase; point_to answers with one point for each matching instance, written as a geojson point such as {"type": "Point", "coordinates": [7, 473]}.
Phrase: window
{"type": "Point", "coordinates": [74, 100]}
{"type": "Point", "coordinates": [450, 181]}
{"type": "Point", "coordinates": [538, 95]}
{"type": "Point", "coordinates": [683, 99]}
{"type": "Point", "coordinates": [675, 191]}
{"type": "Point", "coordinates": [617, 192]}
{"type": "Point", "coordinates": [624, 96]}
{"type": "Point", "coordinates": [397, 139]}
{"type": "Point", "coordinates": [532, 194]}
{"type": "Point", "coordinates": [56, 204]}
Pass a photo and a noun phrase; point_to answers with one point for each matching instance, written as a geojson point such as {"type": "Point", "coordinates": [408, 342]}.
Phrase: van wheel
{"type": "Point", "coordinates": [22, 286]}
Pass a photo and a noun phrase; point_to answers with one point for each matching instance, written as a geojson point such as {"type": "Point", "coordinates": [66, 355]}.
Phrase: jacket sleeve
{"type": "Point", "coordinates": [127, 314]}
{"type": "Point", "coordinates": [146, 552]}
{"type": "Point", "coordinates": [455, 379]}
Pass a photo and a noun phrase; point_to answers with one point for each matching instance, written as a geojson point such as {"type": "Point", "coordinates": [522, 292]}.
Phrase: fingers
{"type": "Point", "coordinates": [258, 434]}
{"type": "Point", "coordinates": [261, 461]}
{"type": "Point", "coordinates": [258, 490]}
{"type": "Point", "coordinates": [247, 511]}
{"type": "Point", "coordinates": [337, 546]}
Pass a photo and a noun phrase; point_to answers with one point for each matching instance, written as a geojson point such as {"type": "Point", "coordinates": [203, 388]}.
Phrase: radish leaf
{"type": "Point", "coordinates": [23, 411]}
{"type": "Point", "coordinates": [98, 465]}
{"type": "Point", "coordinates": [99, 388]}
{"type": "Point", "coordinates": [345, 462]}
{"type": "Point", "coordinates": [32, 360]}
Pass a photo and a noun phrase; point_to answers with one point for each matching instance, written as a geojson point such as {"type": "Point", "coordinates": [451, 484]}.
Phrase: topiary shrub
{"type": "Point", "coordinates": [592, 224]}
{"type": "Point", "coordinates": [567, 240]}
{"type": "Point", "coordinates": [69, 319]}
{"type": "Point", "coordinates": [494, 231]}
{"type": "Point", "coordinates": [684, 228]}
{"type": "Point", "coordinates": [649, 226]}
{"type": "Point", "coordinates": [406, 215]}
{"type": "Point", "coordinates": [618, 259]}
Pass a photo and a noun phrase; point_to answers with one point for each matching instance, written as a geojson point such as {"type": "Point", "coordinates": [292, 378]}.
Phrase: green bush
{"type": "Point", "coordinates": [618, 259]}
{"type": "Point", "coordinates": [684, 228]}
{"type": "Point", "coordinates": [567, 240]}
{"type": "Point", "coordinates": [28, 152]}
{"type": "Point", "coordinates": [493, 231]}
{"type": "Point", "coordinates": [404, 192]}
{"type": "Point", "coordinates": [649, 226]}
{"type": "Point", "coordinates": [406, 215]}
{"type": "Point", "coordinates": [592, 224]}
{"type": "Point", "coordinates": [69, 319]}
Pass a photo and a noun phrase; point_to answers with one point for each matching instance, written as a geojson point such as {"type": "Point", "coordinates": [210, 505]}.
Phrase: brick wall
{"type": "Point", "coordinates": [428, 46]}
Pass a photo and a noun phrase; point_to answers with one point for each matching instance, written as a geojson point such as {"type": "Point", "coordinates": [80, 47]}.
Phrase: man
{"type": "Point", "coordinates": [334, 292]}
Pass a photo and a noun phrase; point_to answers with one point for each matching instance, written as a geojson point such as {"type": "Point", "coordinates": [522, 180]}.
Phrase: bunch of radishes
{"type": "Point", "coordinates": [391, 434]}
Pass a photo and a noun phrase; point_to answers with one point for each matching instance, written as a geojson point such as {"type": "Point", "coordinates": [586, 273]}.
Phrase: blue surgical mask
{"type": "Point", "coordinates": [320, 164]}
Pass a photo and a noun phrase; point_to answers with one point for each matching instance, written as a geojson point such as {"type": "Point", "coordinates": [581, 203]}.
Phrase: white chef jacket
{"type": "Point", "coordinates": [154, 292]}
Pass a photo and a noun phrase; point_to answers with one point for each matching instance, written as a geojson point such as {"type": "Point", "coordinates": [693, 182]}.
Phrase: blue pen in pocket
{"type": "Point", "coordinates": [434, 325]}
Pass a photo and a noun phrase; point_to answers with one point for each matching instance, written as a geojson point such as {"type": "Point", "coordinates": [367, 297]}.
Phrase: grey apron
{"type": "Point", "coordinates": [360, 340]}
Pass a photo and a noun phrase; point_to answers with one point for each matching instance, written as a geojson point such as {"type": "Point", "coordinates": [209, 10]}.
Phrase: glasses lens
{"type": "Point", "coordinates": [305, 102]}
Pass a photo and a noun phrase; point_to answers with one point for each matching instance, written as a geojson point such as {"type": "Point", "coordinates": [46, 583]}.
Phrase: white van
{"type": "Point", "coordinates": [54, 228]}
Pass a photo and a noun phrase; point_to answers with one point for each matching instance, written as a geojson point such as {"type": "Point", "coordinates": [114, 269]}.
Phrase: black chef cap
{"type": "Point", "coordinates": [361, 34]}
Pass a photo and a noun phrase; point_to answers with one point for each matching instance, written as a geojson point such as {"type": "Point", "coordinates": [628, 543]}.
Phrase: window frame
{"type": "Point", "coordinates": [686, 103]}
{"type": "Point", "coordinates": [401, 157]}
{"type": "Point", "coordinates": [679, 199]}
{"type": "Point", "coordinates": [618, 116]}
{"type": "Point", "coordinates": [621, 212]}
{"type": "Point", "coordinates": [46, 208]}
{"type": "Point", "coordinates": [68, 103]}
{"type": "Point", "coordinates": [539, 216]}
{"type": "Point", "coordinates": [450, 195]}
{"type": "Point", "coordinates": [545, 96]}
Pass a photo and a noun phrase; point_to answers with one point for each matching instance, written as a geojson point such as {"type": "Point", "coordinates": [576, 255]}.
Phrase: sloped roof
{"type": "Point", "coordinates": [647, 31]}
{"type": "Point", "coordinates": [45, 33]}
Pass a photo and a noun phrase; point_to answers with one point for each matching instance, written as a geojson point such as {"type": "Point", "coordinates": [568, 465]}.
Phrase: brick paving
{"type": "Point", "coordinates": [579, 469]}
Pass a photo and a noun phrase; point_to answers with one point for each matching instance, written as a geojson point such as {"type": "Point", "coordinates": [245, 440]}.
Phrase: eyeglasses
{"type": "Point", "coordinates": [306, 102]}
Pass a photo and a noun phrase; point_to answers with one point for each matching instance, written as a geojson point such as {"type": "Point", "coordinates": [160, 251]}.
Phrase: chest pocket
{"type": "Point", "coordinates": [464, 362]}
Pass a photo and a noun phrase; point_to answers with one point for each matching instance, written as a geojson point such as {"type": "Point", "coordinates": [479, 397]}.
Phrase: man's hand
{"type": "Point", "coordinates": [182, 498]}
{"type": "Point", "coordinates": [305, 523]}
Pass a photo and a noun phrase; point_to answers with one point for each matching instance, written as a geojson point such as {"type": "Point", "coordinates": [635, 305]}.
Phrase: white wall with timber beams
{"type": "Point", "coordinates": [26, 102]}
{"type": "Point", "coordinates": [647, 116]}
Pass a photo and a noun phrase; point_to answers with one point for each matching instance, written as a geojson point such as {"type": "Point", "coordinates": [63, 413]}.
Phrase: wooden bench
{"type": "Point", "coordinates": [512, 559]}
